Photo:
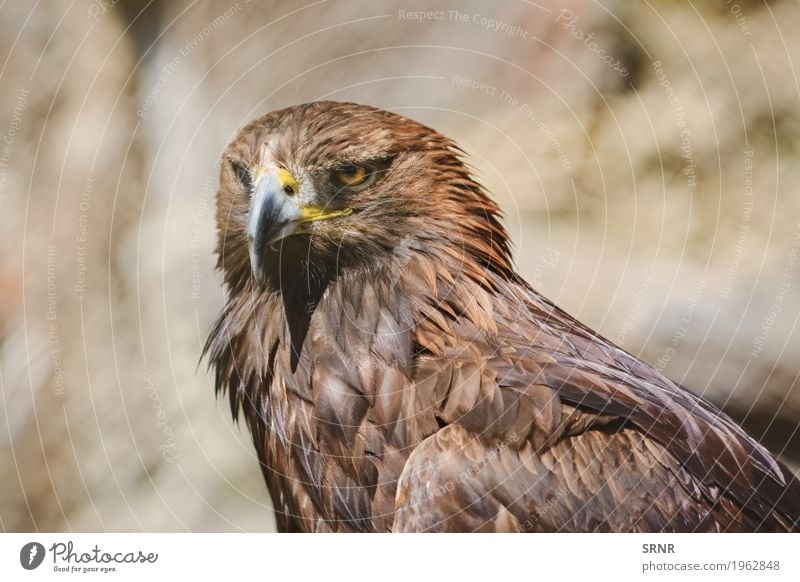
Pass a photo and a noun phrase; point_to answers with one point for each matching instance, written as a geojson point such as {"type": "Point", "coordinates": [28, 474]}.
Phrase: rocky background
{"type": "Point", "coordinates": [647, 156]}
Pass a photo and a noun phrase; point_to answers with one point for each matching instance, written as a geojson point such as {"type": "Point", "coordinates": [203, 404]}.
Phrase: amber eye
{"type": "Point", "coordinates": [351, 175]}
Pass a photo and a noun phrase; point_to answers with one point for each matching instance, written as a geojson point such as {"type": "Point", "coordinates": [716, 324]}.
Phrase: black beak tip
{"type": "Point", "coordinates": [257, 263]}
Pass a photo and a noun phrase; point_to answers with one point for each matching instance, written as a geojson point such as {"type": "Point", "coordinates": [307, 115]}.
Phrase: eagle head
{"type": "Point", "coordinates": [309, 191]}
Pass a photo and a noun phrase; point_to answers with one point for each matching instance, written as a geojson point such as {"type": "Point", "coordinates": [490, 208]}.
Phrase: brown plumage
{"type": "Point", "coordinates": [397, 374]}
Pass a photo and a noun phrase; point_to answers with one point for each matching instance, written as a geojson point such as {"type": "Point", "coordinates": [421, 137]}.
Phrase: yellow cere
{"type": "Point", "coordinates": [312, 213]}
{"type": "Point", "coordinates": [284, 177]}
{"type": "Point", "coordinates": [287, 180]}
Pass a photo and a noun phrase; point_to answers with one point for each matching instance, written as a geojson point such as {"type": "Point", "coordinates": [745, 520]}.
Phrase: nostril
{"type": "Point", "coordinates": [288, 190]}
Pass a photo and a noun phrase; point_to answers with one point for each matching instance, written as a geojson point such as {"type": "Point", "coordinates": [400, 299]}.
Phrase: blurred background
{"type": "Point", "coordinates": [646, 156]}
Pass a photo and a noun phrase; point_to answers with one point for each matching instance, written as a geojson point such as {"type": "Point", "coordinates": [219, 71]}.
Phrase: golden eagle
{"type": "Point", "coordinates": [397, 373]}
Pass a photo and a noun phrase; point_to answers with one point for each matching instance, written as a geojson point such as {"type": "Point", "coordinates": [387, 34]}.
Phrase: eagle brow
{"type": "Point", "coordinates": [377, 163]}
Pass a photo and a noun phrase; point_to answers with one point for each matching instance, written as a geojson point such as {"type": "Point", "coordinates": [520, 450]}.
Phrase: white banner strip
{"type": "Point", "coordinates": [446, 557]}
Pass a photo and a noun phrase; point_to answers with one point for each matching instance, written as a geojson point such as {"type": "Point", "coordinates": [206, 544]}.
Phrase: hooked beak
{"type": "Point", "coordinates": [276, 212]}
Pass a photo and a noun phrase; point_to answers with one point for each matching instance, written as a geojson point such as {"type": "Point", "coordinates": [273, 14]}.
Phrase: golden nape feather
{"type": "Point", "coordinates": [397, 374]}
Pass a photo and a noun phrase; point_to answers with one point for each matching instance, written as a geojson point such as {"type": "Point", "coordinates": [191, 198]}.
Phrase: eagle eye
{"type": "Point", "coordinates": [244, 177]}
{"type": "Point", "coordinates": [353, 175]}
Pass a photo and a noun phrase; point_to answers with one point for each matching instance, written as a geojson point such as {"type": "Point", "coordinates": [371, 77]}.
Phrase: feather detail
{"type": "Point", "coordinates": [396, 373]}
